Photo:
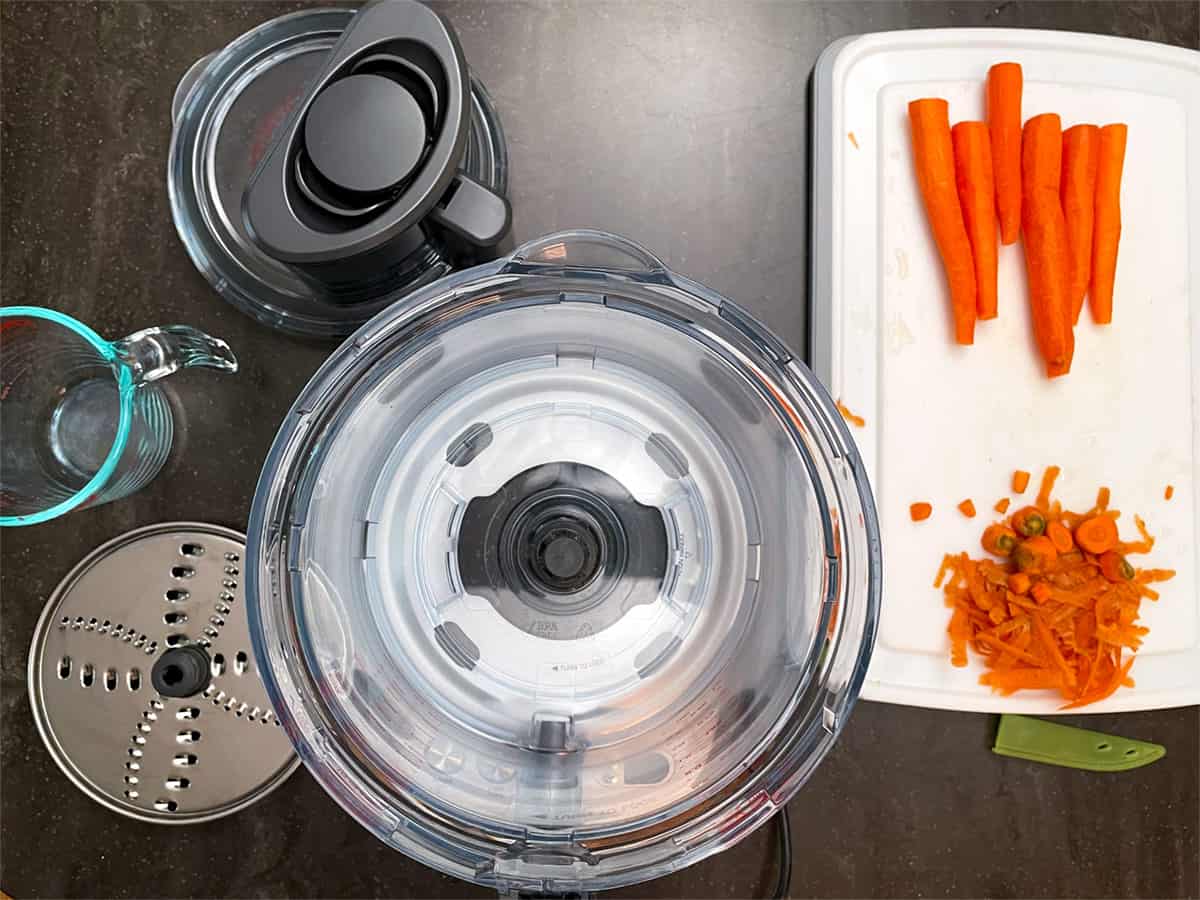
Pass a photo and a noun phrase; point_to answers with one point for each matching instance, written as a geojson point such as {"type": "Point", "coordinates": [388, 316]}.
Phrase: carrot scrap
{"type": "Point", "coordinates": [1106, 230]}
{"type": "Point", "coordinates": [1045, 237]}
{"type": "Point", "coordinates": [977, 196]}
{"type": "Point", "coordinates": [850, 417]}
{"type": "Point", "coordinates": [853, 139]}
{"type": "Point", "coordinates": [1102, 498]}
{"type": "Point", "coordinates": [933, 152]}
{"type": "Point", "coordinates": [1004, 87]}
{"type": "Point", "coordinates": [1169, 492]}
{"type": "Point", "coordinates": [1048, 478]}
{"type": "Point", "coordinates": [919, 512]}
{"type": "Point", "coordinates": [1020, 481]}
{"type": "Point", "coordinates": [967, 508]}
{"type": "Point", "coordinates": [1080, 155]}
{"type": "Point", "coordinates": [1057, 614]}
{"type": "Point", "coordinates": [1002, 505]}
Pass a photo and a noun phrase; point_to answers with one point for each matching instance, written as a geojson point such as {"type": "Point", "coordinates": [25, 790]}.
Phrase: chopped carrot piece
{"type": "Point", "coordinates": [1060, 536]}
{"type": "Point", "coordinates": [1020, 481]}
{"type": "Point", "coordinates": [1053, 612]}
{"type": "Point", "coordinates": [1097, 535]}
{"type": "Point", "coordinates": [1169, 492]}
{"type": "Point", "coordinates": [850, 417]}
{"type": "Point", "coordinates": [1102, 498]}
{"type": "Point", "coordinates": [1002, 505]}
{"type": "Point", "coordinates": [919, 512]}
{"type": "Point", "coordinates": [1029, 521]}
{"type": "Point", "coordinates": [967, 508]}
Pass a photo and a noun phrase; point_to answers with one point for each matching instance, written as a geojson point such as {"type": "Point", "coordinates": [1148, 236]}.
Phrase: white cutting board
{"type": "Point", "coordinates": [944, 422]}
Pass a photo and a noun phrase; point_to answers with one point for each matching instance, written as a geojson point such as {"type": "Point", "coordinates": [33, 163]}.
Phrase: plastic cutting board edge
{"type": "Point", "coordinates": [945, 423]}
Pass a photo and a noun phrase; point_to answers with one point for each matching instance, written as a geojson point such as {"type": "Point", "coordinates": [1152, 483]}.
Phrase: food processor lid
{"type": "Point", "coordinates": [360, 140]}
{"type": "Point", "coordinates": [565, 574]}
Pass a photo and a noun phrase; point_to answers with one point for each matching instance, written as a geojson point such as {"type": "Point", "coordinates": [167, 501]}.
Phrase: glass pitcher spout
{"type": "Point", "coordinates": [155, 353]}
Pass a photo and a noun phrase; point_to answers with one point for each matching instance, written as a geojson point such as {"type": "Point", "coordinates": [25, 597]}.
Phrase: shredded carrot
{"type": "Point", "coordinates": [1102, 498]}
{"type": "Point", "coordinates": [853, 139]}
{"type": "Point", "coordinates": [1048, 478]}
{"type": "Point", "coordinates": [1169, 492]}
{"type": "Point", "coordinates": [850, 417]}
{"type": "Point", "coordinates": [1020, 481]}
{"type": "Point", "coordinates": [1002, 505]}
{"type": "Point", "coordinates": [967, 508]}
{"type": "Point", "coordinates": [919, 512]}
{"type": "Point", "coordinates": [1058, 610]}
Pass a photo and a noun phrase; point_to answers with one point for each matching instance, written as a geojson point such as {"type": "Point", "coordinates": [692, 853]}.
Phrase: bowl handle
{"type": "Point", "coordinates": [587, 248]}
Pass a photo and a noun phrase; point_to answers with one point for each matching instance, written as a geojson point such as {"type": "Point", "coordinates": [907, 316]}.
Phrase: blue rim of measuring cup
{"type": "Point", "coordinates": [124, 390]}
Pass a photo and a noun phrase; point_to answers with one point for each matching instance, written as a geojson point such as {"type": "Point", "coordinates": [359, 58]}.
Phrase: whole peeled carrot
{"type": "Point", "coordinates": [1045, 235]}
{"type": "Point", "coordinates": [977, 197]}
{"type": "Point", "coordinates": [934, 155]}
{"type": "Point", "coordinates": [1079, 158]}
{"type": "Point", "coordinates": [1110, 159]}
{"type": "Point", "coordinates": [1004, 126]}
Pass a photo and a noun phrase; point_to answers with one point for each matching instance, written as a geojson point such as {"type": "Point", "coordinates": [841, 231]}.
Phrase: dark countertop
{"type": "Point", "coordinates": [683, 126]}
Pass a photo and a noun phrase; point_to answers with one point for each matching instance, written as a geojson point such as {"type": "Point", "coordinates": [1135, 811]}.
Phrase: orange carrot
{"type": "Point", "coordinates": [977, 197]}
{"type": "Point", "coordinates": [1080, 145]}
{"type": "Point", "coordinates": [967, 508]}
{"type": "Point", "coordinates": [1045, 234]}
{"type": "Point", "coordinates": [999, 539]}
{"type": "Point", "coordinates": [1020, 481]}
{"type": "Point", "coordinates": [1102, 497]}
{"type": "Point", "coordinates": [1110, 160]}
{"type": "Point", "coordinates": [1169, 492]}
{"type": "Point", "coordinates": [1035, 555]}
{"type": "Point", "coordinates": [1004, 126]}
{"type": "Point", "coordinates": [1097, 535]}
{"type": "Point", "coordinates": [1018, 583]}
{"type": "Point", "coordinates": [849, 416]}
{"type": "Point", "coordinates": [919, 512]}
{"type": "Point", "coordinates": [1028, 521]}
{"type": "Point", "coordinates": [1048, 478]}
{"type": "Point", "coordinates": [1060, 537]}
{"type": "Point", "coordinates": [933, 153]}
{"type": "Point", "coordinates": [1115, 567]}
{"type": "Point", "coordinates": [1002, 505]}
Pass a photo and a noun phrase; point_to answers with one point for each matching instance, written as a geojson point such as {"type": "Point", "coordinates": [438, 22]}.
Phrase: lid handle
{"type": "Point", "coordinates": [586, 248]}
{"type": "Point", "coordinates": [473, 211]}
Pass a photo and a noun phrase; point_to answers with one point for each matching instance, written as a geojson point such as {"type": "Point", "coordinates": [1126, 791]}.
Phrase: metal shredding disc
{"type": "Point", "coordinates": [143, 683]}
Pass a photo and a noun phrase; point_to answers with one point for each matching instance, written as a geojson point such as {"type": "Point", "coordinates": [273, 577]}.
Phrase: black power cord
{"type": "Point", "coordinates": [783, 834]}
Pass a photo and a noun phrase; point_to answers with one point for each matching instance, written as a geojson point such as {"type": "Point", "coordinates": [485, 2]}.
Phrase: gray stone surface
{"type": "Point", "coordinates": [681, 125]}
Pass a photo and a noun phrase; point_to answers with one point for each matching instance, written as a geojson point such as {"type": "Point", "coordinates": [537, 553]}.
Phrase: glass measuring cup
{"type": "Point", "coordinates": [81, 420]}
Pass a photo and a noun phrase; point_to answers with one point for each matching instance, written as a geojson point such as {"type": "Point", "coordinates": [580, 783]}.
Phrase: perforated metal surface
{"type": "Point", "coordinates": [131, 748]}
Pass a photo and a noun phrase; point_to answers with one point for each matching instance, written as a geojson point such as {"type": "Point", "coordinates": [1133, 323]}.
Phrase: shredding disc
{"type": "Point", "coordinates": [143, 683]}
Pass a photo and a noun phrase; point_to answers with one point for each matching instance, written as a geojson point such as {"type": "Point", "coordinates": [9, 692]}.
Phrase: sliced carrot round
{"type": "Point", "coordinates": [1097, 535]}
{"type": "Point", "coordinates": [1060, 536]}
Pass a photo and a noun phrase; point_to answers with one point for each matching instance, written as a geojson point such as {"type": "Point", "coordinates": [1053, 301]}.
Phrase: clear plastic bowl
{"type": "Point", "coordinates": [565, 573]}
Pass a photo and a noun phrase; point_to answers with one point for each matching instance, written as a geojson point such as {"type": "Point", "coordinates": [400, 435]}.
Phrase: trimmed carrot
{"type": "Point", "coordinates": [967, 508]}
{"type": "Point", "coordinates": [1045, 235]}
{"type": "Point", "coordinates": [1020, 481]}
{"type": "Point", "coordinates": [1115, 567]}
{"type": "Point", "coordinates": [1035, 555]}
{"type": "Point", "coordinates": [1169, 492]}
{"type": "Point", "coordinates": [999, 539]}
{"type": "Point", "coordinates": [1004, 87]}
{"type": "Point", "coordinates": [1048, 478]}
{"type": "Point", "coordinates": [977, 197]}
{"type": "Point", "coordinates": [919, 512]}
{"type": "Point", "coordinates": [1097, 535]}
{"type": "Point", "coordinates": [1110, 160]}
{"type": "Point", "coordinates": [933, 153]}
{"type": "Point", "coordinates": [1002, 505]}
{"type": "Point", "coordinates": [1029, 521]}
{"type": "Point", "coordinates": [1078, 190]}
{"type": "Point", "coordinates": [1060, 537]}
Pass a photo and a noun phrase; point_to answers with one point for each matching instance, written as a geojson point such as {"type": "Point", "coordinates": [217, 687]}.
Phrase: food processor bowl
{"type": "Point", "coordinates": [564, 574]}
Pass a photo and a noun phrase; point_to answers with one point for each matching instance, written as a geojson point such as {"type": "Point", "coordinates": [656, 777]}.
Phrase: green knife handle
{"type": "Point", "coordinates": [1078, 748]}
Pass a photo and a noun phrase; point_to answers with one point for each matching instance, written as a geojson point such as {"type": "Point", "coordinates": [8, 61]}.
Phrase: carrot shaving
{"type": "Point", "coordinates": [1048, 479]}
{"type": "Point", "coordinates": [1051, 610]}
{"type": "Point", "coordinates": [855, 420]}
